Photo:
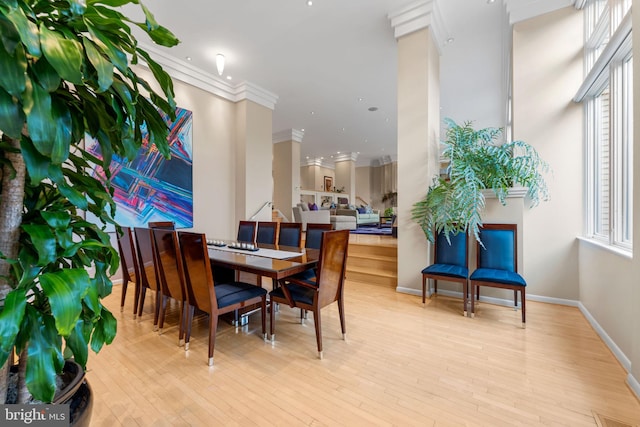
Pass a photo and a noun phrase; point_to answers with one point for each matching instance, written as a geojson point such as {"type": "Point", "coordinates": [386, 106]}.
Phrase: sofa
{"type": "Point", "coordinates": [362, 218]}
{"type": "Point", "coordinates": [321, 216]}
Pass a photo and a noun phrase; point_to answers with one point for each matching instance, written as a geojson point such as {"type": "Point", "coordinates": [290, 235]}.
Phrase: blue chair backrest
{"type": "Point", "coordinates": [454, 253]}
{"type": "Point", "coordinates": [499, 250]}
{"type": "Point", "coordinates": [289, 236]}
{"type": "Point", "coordinates": [266, 232]}
{"type": "Point", "coordinates": [246, 231]}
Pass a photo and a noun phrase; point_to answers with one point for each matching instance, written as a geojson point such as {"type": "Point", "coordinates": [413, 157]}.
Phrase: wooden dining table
{"type": "Point", "coordinates": [253, 262]}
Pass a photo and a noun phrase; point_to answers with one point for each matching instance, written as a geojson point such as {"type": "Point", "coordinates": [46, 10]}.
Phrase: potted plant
{"type": "Point", "coordinates": [65, 73]}
{"type": "Point", "coordinates": [454, 202]}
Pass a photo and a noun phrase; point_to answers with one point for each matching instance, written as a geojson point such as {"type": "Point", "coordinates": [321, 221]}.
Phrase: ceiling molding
{"type": "Point", "coordinates": [519, 10]}
{"type": "Point", "coordinates": [288, 135]}
{"type": "Point", "coordinates": [417, 16]}
{"type": "Point", "coordinates": [384, 160]}
{"type": "Point", "coordinates": [186, 72]}
{"type": "Point", "coordinates": [322, 163]}
{"type": "Point", "coordinates": [345, 157]}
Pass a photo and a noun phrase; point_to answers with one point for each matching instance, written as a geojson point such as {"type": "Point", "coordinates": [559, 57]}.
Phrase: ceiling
{"type": "Point", "coordinates": [329, 64]}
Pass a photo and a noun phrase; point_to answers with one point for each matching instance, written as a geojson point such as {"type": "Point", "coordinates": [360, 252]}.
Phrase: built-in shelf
{"type": "Point", "coordinates": [323, 197]}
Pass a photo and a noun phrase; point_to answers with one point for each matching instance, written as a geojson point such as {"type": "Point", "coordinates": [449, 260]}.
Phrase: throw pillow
{"type": "Point", "coordinates": [368, 210]}
{"type": "Point", "coordinates": [313, 207]}
{"type": "Point", "coordinates": [304, 206]}
{"type": "Point", "coordinates": [362, 210]}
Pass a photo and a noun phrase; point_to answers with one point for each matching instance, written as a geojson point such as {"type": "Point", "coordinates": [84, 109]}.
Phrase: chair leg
{"type": "Point", "coordinates": [316, 319]}
{"type": "Point", "coordinates": [125, 283]}
{"type": "Point", "coordinates": [342, 321]}
{"type": "Point", "coordinates": [272, 322]}
{"type": "Point", "coordinates": [143, 293]}
{"type": "Point", "coordinates": [163, 309]}
{"type": "Point", "coordinates": [435, 286]}
{"type": "Point", "coordinates": [473, 309]}
{"type": "Point", "coordinates": [515, 299]}
{"type": "Point", "coordinates": [136, 299]}
{"type": "Point", "coordinates": [187, 335]}
{"type": "Point", "coordinates": [213, 326]}
{"type": "Point", "coordinates": [182, 320]}
{"type": "Point", "coordinates": [424, 289]}
{"type": "Point", "coordinates": [465, 297]}
{"type": "Point", "coordinates": [264, 317]}
{"type": "Point", "coordinates": [524, 307]}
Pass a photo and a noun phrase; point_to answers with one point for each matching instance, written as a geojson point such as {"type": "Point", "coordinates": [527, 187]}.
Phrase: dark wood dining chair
{"type": "Point", "coordinates": [313, 235]}
{"type": "Point", "coordinates": [328, 287]}
{"type": "Point", "coordinates": [247, 231]}
{"type": "Point", "coordinates": [497, 263]}
{"type": "Point", "coordinates": [171, 275]}
{"type": "Point", "coordinates": [290, 234]}
{"type": "Point", "coordinates": [167, 225]}
{"type": "Point", "coordinates": [214, 299]}
{"type": "Point", "coordinates": [148, 273]}
{"type": "Point", "coordinates": [267, 232]}
{"type": "Point", "coordinates": [129, 268]}
{"type": "Point", "coordinates": [450, 263]}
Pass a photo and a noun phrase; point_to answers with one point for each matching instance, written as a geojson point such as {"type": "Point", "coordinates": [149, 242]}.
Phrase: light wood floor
{"type": "Point", "coordinates": [402, 365]}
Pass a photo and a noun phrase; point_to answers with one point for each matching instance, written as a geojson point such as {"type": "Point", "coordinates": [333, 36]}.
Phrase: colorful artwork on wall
{"type": "Point", "coordinates": [150, 187]}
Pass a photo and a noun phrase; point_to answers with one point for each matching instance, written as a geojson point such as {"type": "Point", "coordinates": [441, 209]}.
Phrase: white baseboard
{"type": "Point", "coordinates": [617, 352]}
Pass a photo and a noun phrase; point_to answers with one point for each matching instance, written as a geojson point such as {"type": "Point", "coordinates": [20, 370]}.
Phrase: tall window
{"type": "Point", "coordinates": [608, 96]}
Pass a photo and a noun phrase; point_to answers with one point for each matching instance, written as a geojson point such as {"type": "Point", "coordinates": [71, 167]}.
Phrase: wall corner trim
{"type": "Point", "coordinates": [417, 16]}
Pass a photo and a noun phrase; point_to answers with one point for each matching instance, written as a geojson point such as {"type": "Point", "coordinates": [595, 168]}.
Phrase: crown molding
{"type": "Point", "coordinates": [345, 157]}
{"type": "Point", "coordinates": [187, 73]}
{"type": "Point", "coordinates": [384, 160]}
{"type": "Point", "coordinates": [417, 16]}
{"type": "Point", "coordinates": [518, 10]}
{"type": "Point", "coordinates": [322, 163]}
{"type": "Point", "coordinates": [288, 135]}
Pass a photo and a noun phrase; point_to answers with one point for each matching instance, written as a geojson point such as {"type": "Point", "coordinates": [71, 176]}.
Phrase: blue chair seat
{"type": "Point", "coordinates": [448, 270]}
{"type": "Point", "coordinates": [232, 293]}
{"type": "Point", "coordinates": [299, 294]}
{"type": "Point", "coordinates": [498, 276]}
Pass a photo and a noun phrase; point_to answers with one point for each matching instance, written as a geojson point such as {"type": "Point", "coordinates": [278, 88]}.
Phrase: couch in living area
{"type": "Point", "coordinates": [321, 216]}
{"type": "Point", "coordinates": [361, 215]}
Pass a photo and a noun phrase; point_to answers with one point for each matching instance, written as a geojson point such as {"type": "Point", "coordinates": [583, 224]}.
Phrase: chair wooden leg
{"type": "Point", "coordinates": [515, 299]}
{"type": "Point", "coordinates": [465, 290]}
{"type": "Point", "coordinates": [263, 311]}
{"type": "Point", "coordinates": [187, 334]}
{"type": "Point", "coordinates": [424, 289]}
{"type": "Point", "coordinates": [125, 283]}
{"type": "Point", "coordinates": [435, 286]}
{"type": "Point", "coordinates": [524, 307]}
{"type": "Point", "coordinates": [136, 299]}
{"type": "Point", "coordinates": [181, 328]}
{"type": "Point", "coordinates": [272, 322]}
{"type": "Point", "coordinates": [140, 306]}
{"type": "Point", "coordinates": [163, 309]}
{"type": "Point", "coordinates": [473, 309]}
{"type": "Point", "coordinates": [213, 326]}
{"type": "Point", "coordinates": [318, 323]}
{"type": "Point", "coordinates": [343, 325]}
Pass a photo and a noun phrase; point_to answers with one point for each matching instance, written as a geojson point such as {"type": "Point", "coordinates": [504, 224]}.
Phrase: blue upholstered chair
{"type": "Point", "coordinates": [267, 232]}
{"type": "Point", "coordinates": [214, 299]}
{"type": "Point", "coordinates": [247, 231]}
{"type": "Point", "coordinates": [290, 234]}
{"type": "Point", "coordinates": [326, 289]}
{"type": "Point", "coordinates": [450, 263]}
{"type": "Point", "coordinates": [497, 264]}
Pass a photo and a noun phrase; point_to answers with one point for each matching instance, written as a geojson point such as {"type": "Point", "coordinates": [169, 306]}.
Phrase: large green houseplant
{"type": "Point", "coordinates": [454, 202]}
{"type": "Point", "coordinates": [65, 72]}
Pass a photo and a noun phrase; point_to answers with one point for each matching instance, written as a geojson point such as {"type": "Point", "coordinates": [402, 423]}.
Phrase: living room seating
{"type": "Point", "coordinates": [321, 216]}
{"type": "Point", "coordinates": [363, 216]}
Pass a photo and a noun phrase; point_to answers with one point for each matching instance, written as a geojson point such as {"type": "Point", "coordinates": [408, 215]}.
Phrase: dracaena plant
{"type": "Point", "coordinates": [476, 162]}
{"type": "Point", "coordinates": [65, 72]}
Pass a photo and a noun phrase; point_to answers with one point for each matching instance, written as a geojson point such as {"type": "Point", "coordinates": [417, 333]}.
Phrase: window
{"type": "Point", "coordinates": [607, 93]}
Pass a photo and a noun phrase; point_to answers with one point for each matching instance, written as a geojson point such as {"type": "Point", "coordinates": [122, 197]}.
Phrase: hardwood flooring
{"type": "Point", "coordinates": [402, 365]}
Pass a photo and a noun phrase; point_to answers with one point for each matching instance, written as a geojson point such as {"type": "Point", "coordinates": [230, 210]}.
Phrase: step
{"type": "Point", "coordinates": [377, 277]}
{"type": "Point", "coordinates": [382, 262]}
{"type": "Point", "coordinates": [370, 250]}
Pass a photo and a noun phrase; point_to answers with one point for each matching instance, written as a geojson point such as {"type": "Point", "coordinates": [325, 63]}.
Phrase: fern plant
{"type": "Point", "coordinates": [454, 203]}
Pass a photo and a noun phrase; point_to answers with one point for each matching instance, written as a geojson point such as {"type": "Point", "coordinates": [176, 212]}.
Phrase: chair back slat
{"type": "Point", "coordinates": [267, 232]}
{"type": "Point", "coordinates": [453, 251]}
{"type": "Point", "coordinates": [331, 265]}
{"type": "Point", "coordinates": [197, 271]}
{"type": "Point", "coordinates": [247, 231]}
{"type": "Point", "coordinates": [500, 247]}
{"type": "Point", "coordinates": [314, 235]}
{"type": "Point", "coordinates": [128, 260]}
{"type": "Point", "coordinates": [290, 234]}
{"type": "Point", "coordinates": [146, 258]}
{"type": "Point", "coordinates": [169, 264]}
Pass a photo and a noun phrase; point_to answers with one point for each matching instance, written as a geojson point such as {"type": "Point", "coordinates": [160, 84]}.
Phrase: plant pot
{"type": "Point", "coordinates": [77, 394]}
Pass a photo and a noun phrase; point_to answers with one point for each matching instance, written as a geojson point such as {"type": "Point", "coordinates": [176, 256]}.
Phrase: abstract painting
{"type": "Point", "coordinates": [150, 187]}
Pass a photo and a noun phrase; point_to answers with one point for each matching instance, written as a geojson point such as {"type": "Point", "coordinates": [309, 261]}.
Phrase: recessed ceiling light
{"type": "Point", "coordinates": [342, 129]}
{"type": "Point", "coordinates": [450, 40]}
{"type": "Point", "coordinates": [302, 129]}
{"type": "Point", "coordinates": [360, 99]}
{"type": "Point", "coordinates": [491, 1]}
{"type": "Point", "coordinates": [309, 3]}
{"type": "Point", "coordinates": [338, 152]}
{"type": "Point", "coordinates": [188, 58]}
{"type": "Point", "coordinates": [313, 112]}
{"type": "Point", "coordinates": [229, 77]}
